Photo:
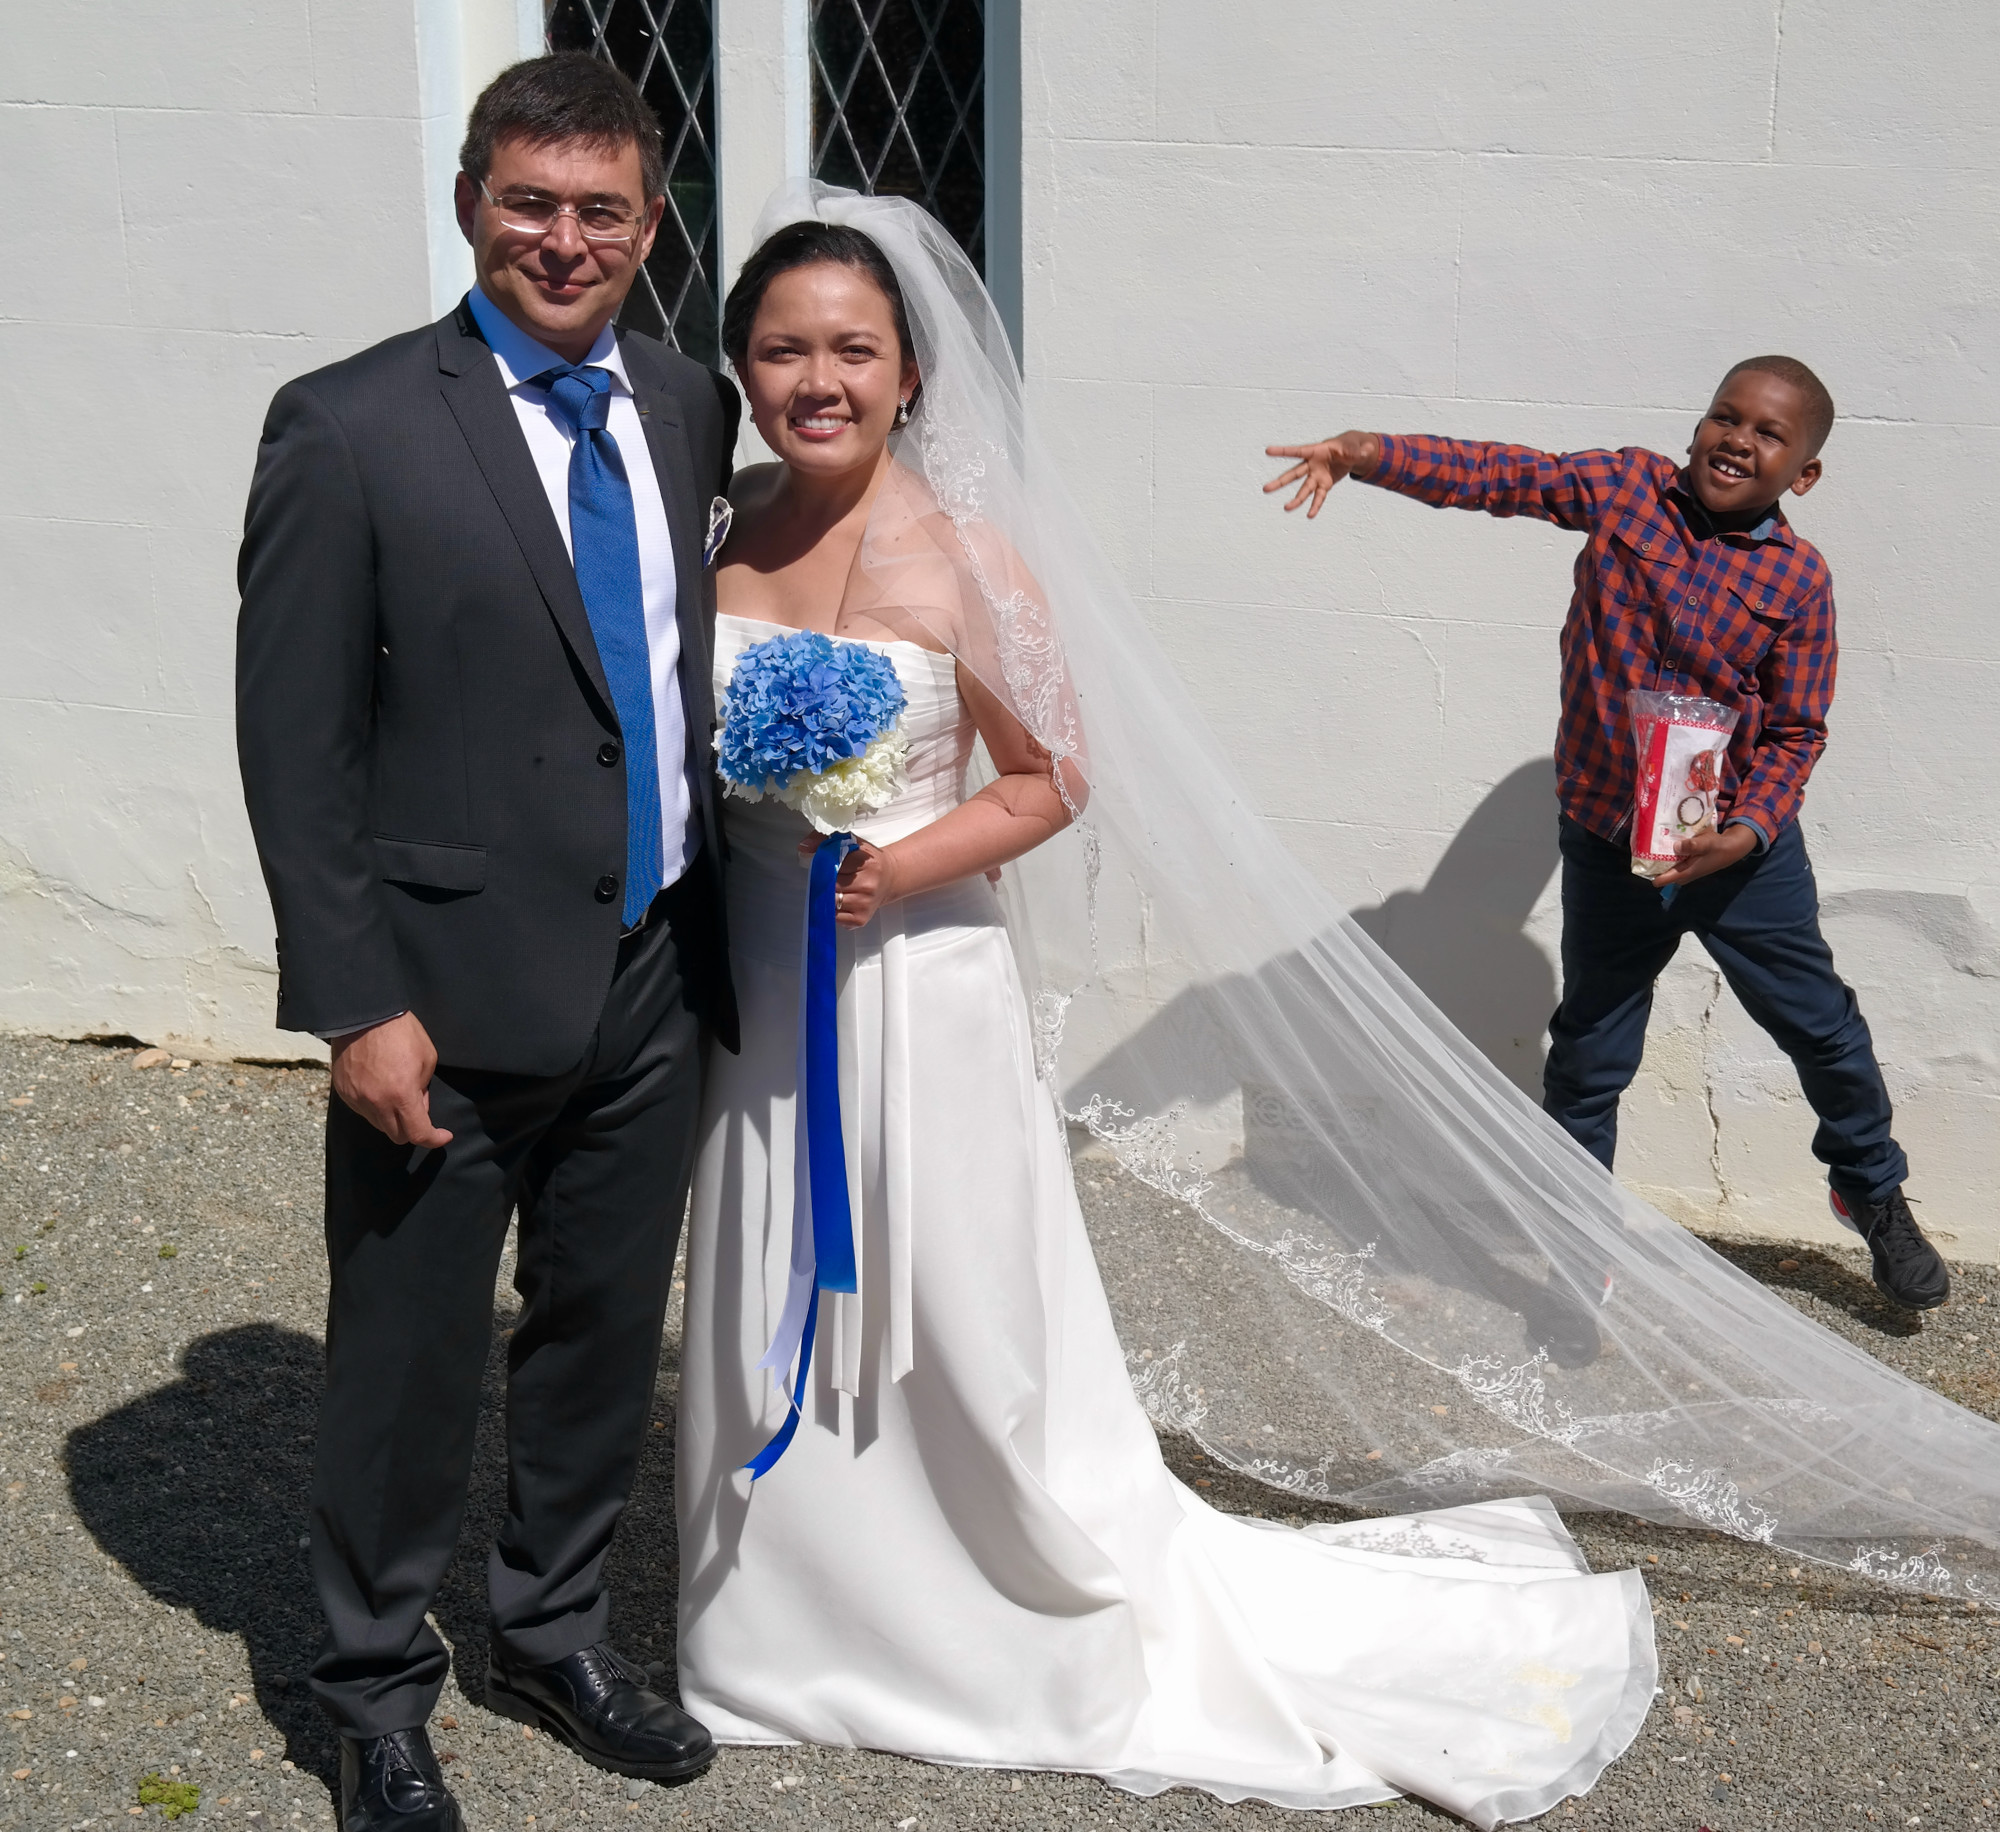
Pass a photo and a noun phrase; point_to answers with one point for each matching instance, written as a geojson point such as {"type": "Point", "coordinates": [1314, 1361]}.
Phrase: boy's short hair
{"type": "Point", "coordinates": [1818, 402]}
{"type": "Point", "coordinates": [565, 96]}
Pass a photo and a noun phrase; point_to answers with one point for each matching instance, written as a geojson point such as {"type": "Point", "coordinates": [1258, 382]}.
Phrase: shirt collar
{"type": "Point", "coordinates": [1773, 527]}
{"type": "Point", "coordinates": [522, 358]}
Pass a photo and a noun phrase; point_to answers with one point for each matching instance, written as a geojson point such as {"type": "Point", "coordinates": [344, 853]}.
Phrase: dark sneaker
{"type": "Point", "coordinates": [1565, 1324]}
{"type": "Point", "coordinates": [1907, 1266]}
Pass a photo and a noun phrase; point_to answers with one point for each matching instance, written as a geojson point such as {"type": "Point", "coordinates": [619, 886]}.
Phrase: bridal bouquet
{"type": "Point", "coordinates": [816, 723]}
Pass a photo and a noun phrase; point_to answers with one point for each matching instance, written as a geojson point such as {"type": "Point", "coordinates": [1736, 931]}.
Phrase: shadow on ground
{"type": "Point", "coordinates": [201, 1490]}
{"type": "Point", "coordinates": [1789, 1267]}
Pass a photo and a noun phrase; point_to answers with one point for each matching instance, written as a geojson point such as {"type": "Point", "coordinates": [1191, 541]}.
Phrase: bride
{"type": "Point", "coordinates": [972, 1551]}
{"type": "Point", "coordinates": [1375, 1274]}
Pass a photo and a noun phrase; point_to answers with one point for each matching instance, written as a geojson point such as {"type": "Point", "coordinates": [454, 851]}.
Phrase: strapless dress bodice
{"type": "Point", "coordinates": [767, 885]}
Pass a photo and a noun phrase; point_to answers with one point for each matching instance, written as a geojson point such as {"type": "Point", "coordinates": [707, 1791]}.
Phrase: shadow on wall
{"type": "Point", "coordinates": [1460, 937]}
{"type": "Point", "coordinates": [201, 1490]}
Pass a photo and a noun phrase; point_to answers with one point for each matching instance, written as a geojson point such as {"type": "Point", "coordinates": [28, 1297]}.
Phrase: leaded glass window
{"type": "Point", "coordinates": [667, 47]}
{"type": "Point", "coordinates": [899, 105]}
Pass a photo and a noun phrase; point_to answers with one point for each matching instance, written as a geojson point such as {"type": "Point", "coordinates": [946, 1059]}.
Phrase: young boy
{"type": "Point", "coordinates": [1690, 581]}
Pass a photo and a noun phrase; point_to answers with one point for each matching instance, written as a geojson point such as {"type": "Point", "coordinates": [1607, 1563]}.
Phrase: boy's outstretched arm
{"type": "Point", "coordinates": [1321, 466]}
{"type": "Point", "coordinates": [1453, 474]}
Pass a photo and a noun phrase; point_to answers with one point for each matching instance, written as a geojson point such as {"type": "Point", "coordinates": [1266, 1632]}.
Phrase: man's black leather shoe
{"type": "Point", "coordinates": [393, 1784]}
{"type": "Point", "coordinates": [1907, 1267]}
{"type": "Point", "coordinates": [604, 1707]}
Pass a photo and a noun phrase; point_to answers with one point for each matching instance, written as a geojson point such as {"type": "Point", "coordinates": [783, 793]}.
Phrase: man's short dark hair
{"type": "Point", "coordinates": [566, 96]}
{"type": "Point", "coordinates": [1818, 402]}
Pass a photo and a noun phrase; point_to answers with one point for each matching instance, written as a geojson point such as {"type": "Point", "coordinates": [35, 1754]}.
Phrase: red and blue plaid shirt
{"type": "Point", "coordinates": [1662, 601]}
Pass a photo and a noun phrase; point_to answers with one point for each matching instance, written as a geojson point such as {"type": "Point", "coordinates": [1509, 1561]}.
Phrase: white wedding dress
{"type": "Point", "coordinates": [973, 1552]}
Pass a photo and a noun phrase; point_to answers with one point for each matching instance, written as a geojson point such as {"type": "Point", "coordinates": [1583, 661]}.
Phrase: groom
{"type": "Point", "coordinates": [474, 713]}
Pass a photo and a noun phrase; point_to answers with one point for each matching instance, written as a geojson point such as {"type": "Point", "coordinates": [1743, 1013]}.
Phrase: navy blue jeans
{"type": "Point", "coordinates": [1759, 921]}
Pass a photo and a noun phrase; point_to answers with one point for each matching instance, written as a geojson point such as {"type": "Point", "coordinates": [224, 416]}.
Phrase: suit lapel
{"type": "Point", "coordinates": [479, 402]}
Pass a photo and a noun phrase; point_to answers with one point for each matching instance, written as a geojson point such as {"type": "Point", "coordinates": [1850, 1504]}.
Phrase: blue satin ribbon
{"type": "Point", "coordinates": [822, 1221]}
{"type": "Point", "coordinates": [832, 1224]}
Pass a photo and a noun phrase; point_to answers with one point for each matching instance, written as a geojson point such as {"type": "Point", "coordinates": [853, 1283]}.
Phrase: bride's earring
{"type": "Point", "coordinates": [902, 413]}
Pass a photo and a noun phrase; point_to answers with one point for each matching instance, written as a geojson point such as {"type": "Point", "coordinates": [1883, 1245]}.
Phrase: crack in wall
{"type": "Point", "coordinates": [1465, 170]}
{"type": "Point", "coordinates": [19, 878]}
{"type": "Point", "coordinates": [1725, 1196]}
{"type": "Point", "coordinates": [1777, 64]}
{"type": "Point", "coordinates": [83, 962]}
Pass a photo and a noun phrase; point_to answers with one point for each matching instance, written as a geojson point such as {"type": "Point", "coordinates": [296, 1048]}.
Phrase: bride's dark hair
{"type": "Point", "coordinates": [805, 245]}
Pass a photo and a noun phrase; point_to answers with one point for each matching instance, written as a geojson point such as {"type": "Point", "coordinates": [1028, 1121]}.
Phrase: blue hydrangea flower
{"type": "Point", "coordinates": [799, 707]}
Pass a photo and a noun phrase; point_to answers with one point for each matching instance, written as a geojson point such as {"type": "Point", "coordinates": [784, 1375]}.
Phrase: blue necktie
{"type": "Point", "coordinates": [604, 543]}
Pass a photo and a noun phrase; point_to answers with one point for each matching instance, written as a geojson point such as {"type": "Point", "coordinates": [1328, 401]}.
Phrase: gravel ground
{"type": "Point", "coordinates": [159, 1355]}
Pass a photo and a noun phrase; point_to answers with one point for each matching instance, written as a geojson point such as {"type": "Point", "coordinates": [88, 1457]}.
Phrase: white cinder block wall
{"type": "Point", "coordinates": [1557, 225]}
{"type": "Point", "coordinates": [1239, 224]}
{"type": "Point", "coordinates": [218, 198]}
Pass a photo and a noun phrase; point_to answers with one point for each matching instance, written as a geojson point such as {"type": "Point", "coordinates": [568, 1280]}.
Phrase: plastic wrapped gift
{"type": "Point", "coordinates": [1682, 741]}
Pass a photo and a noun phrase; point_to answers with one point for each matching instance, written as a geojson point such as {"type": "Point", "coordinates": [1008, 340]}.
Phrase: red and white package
{"type": "Point", "coordinates": [1682, 742]}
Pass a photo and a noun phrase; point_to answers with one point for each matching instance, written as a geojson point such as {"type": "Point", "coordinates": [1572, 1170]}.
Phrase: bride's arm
{"type": "Point", "coordinates": [1010, 816]}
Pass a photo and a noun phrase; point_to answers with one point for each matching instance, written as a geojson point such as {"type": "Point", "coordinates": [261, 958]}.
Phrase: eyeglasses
{"type": "Point", "coordinates": [533, 214]}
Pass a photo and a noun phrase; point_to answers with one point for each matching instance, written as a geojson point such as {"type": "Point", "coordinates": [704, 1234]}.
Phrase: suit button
{"type": "Point", "coordinates": [607, 754]}
{"type": "Point", "coordinates": [607, 888]}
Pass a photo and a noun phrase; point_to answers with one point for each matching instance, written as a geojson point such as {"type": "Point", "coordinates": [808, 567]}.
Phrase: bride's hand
{"type": "Point", "coordinates": [867, 881]}
{"type": "Point", "coordinates": [1351, 454]}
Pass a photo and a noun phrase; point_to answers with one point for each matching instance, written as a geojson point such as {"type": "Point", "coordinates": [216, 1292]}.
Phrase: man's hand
{"type": "Point", "coordinates": [1323, 465]}
{"type": "Point", "coordinates": [384, 1073]}
{"type": "Point", "coordinates": [1709, 852]}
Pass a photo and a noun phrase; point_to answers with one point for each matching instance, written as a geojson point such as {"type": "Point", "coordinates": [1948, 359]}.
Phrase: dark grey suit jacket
{"type": "Point", "coordinates": [429, 750]}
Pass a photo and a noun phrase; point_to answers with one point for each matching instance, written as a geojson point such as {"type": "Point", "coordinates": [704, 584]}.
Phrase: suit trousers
{"type": "Point", "coordinates": [1759, 921]}
{"type": "Point", "coordinates": [596, 1163]}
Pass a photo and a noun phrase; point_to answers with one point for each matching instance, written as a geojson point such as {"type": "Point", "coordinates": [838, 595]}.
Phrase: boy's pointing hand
{"type": "Point", "coordinates": [1321, 466]}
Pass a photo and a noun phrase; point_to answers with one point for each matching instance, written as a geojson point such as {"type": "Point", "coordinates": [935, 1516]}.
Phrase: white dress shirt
{"type": "Point", "coordinates": [550, 442]}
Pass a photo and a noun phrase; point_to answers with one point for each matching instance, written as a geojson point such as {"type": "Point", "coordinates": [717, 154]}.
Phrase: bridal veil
{"type": "Point", "coordinates": [1391, 1280]}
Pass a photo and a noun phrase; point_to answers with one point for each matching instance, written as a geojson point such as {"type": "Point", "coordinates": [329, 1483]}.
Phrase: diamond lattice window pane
{"type": "Point", "coordinates": [899, 105]}
{"type": "Point", "coordinates": [667, 47]}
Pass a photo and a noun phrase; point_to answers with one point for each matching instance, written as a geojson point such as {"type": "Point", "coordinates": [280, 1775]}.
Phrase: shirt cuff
{"type": "Point", "coordinates": [1743, 820]}
{"type": "Point", "coordinates": [355, 1030]}
{"type": "Point", "coordinates": [1392, 466]}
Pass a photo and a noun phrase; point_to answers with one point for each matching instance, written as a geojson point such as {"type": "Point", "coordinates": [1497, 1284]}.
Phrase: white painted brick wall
{"type": "Point", "coordinates": [1559, 225]}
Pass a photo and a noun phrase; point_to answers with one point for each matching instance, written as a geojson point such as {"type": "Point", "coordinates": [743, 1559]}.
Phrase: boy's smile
{"type": "Point", "coordinates": [1752, 445]}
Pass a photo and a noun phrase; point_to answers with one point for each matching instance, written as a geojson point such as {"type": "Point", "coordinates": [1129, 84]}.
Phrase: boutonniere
{"type": "Point", "coordinates": [720, 515]}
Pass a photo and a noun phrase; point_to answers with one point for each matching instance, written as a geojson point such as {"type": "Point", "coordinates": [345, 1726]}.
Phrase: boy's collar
{"type": "Point", "coordinates": [1772, 527]}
